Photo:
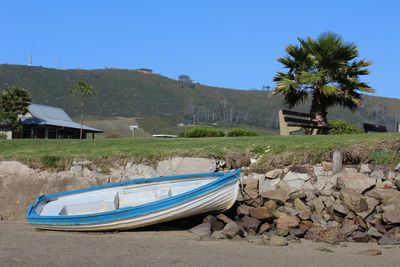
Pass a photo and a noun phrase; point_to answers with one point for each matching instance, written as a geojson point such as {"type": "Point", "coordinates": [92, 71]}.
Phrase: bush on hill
{"type": "Point", "coordinates": [202, 132]}
{"type": "Point", "coordinates": [343, 127]}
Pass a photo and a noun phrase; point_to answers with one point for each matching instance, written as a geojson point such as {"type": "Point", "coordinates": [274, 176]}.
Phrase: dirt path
{"type": "Point", "coordinates": [21, 245]}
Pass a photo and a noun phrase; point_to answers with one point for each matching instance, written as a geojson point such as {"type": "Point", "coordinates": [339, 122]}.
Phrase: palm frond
{"type": "Point", "coordinates": [327, 68]}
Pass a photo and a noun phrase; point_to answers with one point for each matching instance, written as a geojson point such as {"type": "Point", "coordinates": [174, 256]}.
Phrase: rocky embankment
{"type": "Point", "coordinates": [327, 202]}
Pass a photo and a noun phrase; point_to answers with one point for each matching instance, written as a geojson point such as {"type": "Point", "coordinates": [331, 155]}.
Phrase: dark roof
{"type": "Point", "coordinates": [46, 115]}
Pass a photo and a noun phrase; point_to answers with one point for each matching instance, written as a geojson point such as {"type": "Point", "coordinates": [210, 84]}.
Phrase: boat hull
{"type": "Point", "coordinates": [219, 195]}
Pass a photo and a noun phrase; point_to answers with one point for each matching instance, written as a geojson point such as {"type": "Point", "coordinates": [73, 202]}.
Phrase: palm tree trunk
{"type": "Point", "coordinates": [318, 106]}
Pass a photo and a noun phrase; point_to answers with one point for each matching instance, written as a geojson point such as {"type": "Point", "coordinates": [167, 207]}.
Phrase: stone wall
{"type": "Point", "coordinates": [322, 203]}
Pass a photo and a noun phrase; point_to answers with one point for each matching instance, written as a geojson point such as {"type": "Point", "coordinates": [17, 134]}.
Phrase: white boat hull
{"type": "Point", "coordinates": [219, 200]}
{"type": "Point", "coordinates": [71, 211]}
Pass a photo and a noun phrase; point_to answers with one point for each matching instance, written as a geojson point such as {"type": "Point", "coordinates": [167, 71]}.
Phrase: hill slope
{"type": "Point", "coordinates": [129, 93]}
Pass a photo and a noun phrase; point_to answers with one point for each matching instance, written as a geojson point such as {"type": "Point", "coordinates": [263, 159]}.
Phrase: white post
{"type": "Point", "coordinates": [132, 128]}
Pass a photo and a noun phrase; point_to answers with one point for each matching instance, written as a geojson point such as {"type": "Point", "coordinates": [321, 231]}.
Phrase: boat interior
{"type": "Point", "coordinates": [114, 198]}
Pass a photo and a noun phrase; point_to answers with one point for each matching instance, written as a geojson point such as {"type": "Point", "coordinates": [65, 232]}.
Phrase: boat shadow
{"type": "Point", "coordinates": [184, 224]}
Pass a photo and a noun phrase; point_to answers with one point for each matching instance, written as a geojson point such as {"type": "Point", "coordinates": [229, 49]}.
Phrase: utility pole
{"type": "Point", "coordinates": [30, 60]}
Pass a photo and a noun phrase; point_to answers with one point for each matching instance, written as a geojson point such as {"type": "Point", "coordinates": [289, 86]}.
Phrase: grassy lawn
{"type": "Point", "coordinates": [49, 152]}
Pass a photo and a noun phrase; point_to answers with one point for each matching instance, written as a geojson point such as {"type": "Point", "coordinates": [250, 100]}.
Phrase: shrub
{"type": "Point", "coordinates": [3, 136]}
{"type": "Point", "coordinates": [202, 132]}
{"type": "Point", "coordinates": [343, 127]}
{"type": "Point", "coordinates": [241, 132]}
{"type": "Point", "coordinates": [382, 157]}
{"type": "Point", "coordinates": [50, 161]}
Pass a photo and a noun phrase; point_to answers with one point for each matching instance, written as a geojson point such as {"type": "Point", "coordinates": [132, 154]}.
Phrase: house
{"type": "Point", "coordinates": [51, 122]}
{"type": "Point", "coordinates": [145, 71]}
{"type": "Point", "coordinates": [5, 133]}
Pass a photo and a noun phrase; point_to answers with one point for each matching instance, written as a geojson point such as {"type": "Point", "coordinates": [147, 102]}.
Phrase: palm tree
{"type": "Point", "coordinates": [83, 91]}
{"type": "Point", "coordinates": [327, 69]}
{"type": "Point", "coordinates": [15, 100]}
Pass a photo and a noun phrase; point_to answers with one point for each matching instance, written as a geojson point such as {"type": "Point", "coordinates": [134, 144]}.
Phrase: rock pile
{"type": "Point", "coordinates": [357, 204]}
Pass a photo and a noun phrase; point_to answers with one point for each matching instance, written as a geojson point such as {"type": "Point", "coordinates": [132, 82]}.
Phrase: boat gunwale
{"type": "Point", "coordinates": [131, 211]}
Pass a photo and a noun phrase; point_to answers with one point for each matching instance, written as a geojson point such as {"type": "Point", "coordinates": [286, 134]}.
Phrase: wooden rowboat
{"type": "Point", "coordinates": [136, 203]}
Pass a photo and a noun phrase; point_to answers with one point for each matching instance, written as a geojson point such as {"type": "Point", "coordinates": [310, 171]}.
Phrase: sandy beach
{"type": "Point", "coordinates": [21, 245]}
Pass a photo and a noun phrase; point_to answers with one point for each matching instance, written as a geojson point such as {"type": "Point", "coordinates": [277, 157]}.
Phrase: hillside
{"type": "Point", "coordinates": [161, 103]}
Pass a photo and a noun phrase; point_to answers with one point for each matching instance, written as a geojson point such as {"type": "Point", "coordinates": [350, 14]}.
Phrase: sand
{"type": "Point", "coordinates": [21, 245]}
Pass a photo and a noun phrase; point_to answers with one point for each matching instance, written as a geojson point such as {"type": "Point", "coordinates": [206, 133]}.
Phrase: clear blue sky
{"type": "Point", "coordinates": [224, 43]}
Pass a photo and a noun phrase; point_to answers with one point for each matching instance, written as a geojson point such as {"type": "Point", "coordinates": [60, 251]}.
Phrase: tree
{"type": "Point", "coordinates": [327, 69]}
{"type": "Point", "coordinates": [83, 91]}
{"type": "Point", "coordinates": [184, 80]}
{"type": "Point", "coordinates": [14, 102]}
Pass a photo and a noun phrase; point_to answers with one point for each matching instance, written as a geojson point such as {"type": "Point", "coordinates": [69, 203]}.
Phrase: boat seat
{"type": "Point", "coordinates": [91, 207]}
{"type": "Point", "coordinates": [163, 194]}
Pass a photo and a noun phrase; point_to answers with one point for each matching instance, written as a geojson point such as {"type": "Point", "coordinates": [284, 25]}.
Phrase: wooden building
{"type": "Point", "coordinates": [52, 123]}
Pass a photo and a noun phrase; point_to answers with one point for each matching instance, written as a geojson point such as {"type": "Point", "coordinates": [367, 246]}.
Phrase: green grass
{"type": "Point", "coordinates": [49, 153]}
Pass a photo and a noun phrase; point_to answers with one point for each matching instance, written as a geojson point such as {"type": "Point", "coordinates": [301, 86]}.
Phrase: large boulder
{"type": "Point", "coordinates": [300, 206]}
{"type": "Point", "coordinates": [61, 183]}
{"type": "Point", "coordinates": [390, 200]}
{"type": "Point", "coordinates": [15, 168]}
{"type": "Point", "coordinates": [392, 217]}
{"type": "Point", "coordinates": [251, 225]}
{"type": "Point", "coordinates": [372, 203]}
{"type": "Point", "coordinates": [250, 185]}
{"type": "Point", "coordinates": [378, 174]}
{"type": "Point", "coordinates": [266, 184]}
{"type": "Point", "coordinates": [182, 165]}
{"type": "Point", "coordinates": [215, 224]}
{"type": "Point", "coordinates": [251, 181]}
{"type": "Point", "coordinates": [386, 196]}
{"type": "Point", "coordinates": [318, 205]}
{"type": "Point", "coordinates": [365, 168]}
{"type": "Point", "coordinates": [318, 233]}
{"type": "Point", "coordinates": [279, 195]}
{"type": "Point", "coordinates": [273, 174]}
{"type": "Point", "coordinates": [285, 223]}
{"type": "Point", "coordinates": [139, 171]}
{"type": "Point", "coordinates": [325, 182]}
{"type": "Point", "coordinates": [231, 229]}
{"type": "Point", "coordinates": [295, 180]}
{"type": "Point", "coordinates": [353, 200]}
{"type": "Point", "coordinates": [261, 213]}
{"type": "Point", "coordinates": [201, 230]}
{"type": "Point", "coordinates": [20, 185]}
{"type": "Point", "coordinates": [356, 181]}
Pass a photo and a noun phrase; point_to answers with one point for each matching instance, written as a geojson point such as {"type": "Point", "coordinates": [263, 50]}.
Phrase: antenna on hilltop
{"type": "Point", "coordinates": [30, 60]}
